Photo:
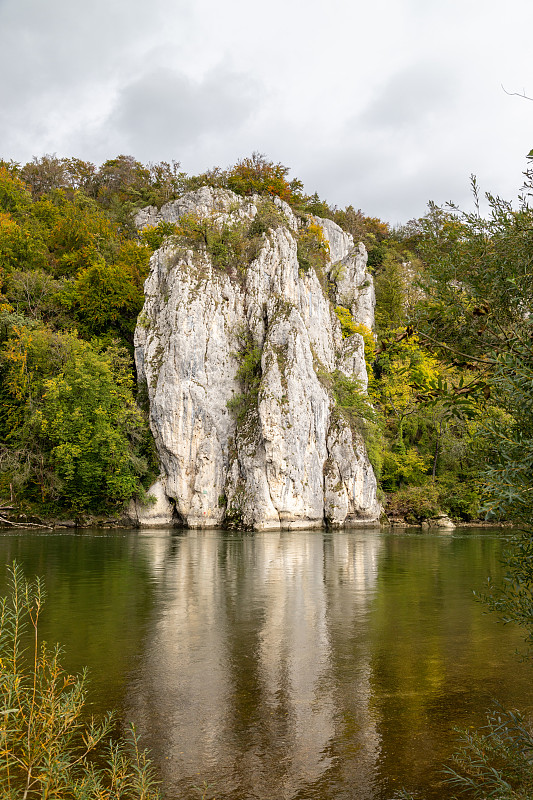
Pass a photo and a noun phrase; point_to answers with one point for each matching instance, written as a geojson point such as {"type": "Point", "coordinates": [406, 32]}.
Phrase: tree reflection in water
{"type": "Point", "coordinates": [317, 665]}
{"type": "Point", "coordinates": [296, 665]}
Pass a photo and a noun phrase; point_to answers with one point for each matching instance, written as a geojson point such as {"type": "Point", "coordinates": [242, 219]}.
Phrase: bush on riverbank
{"type": "Point", "coordinates": [48, 748]}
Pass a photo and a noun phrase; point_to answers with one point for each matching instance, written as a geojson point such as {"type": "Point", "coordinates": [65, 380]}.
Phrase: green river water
{"type": "Point", "coordinates": [286, 665]}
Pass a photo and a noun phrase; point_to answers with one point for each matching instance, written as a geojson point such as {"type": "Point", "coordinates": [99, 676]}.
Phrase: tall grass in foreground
{"type": "Point", "coordinates": [48, 749]}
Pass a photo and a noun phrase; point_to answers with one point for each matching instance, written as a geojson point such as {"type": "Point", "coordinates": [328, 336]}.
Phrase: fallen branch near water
{"type": "Point", "coordinates": [6, 521]}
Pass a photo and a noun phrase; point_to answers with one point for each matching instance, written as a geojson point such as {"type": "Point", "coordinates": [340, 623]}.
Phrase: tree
{"type": "Point", "coordinates": [105, 298]}
{"type": "Point", "coordinates": [18, 248]}
{"type": "Point", "coordinates": [14, 195]}
{"type": "Point", "coordinates": [368, 230]}
{"type": "Point", "coordinates": [78, 232]}
{"type": "Point", "coordinates": [72, 431]}
{"type": "Point", "coordinates": [22, 237]}
{"type": "Point", "coordinates": [478, 312]}
{"type": "Point", "coordinates": [122, 179]}
{"type": "Point", "coordinates": [478, 289]}
{"type": "Point", "coordinates": [258, 175]}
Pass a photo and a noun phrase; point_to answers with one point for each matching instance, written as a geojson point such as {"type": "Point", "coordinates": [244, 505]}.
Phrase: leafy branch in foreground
{"type": "Point", "coordinates": [48, 749]}
{"type": "Point", "coordinates": [512, 601]}
{"type": "Point", "coordinates": [495, 761]}
{"type": "Point", "coordinates": [492, 762]}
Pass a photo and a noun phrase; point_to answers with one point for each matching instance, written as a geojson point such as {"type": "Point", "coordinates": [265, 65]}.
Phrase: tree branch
{"type": "Point", "coordinates": [24, 524]}
{"type": "Point", "coordinates": [517, 94]}
{"type": "Point", "coordinates": [487, 362]}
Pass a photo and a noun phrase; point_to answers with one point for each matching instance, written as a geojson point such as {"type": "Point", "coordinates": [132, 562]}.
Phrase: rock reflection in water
{"type": "Point", "coordinates": [250, 682]}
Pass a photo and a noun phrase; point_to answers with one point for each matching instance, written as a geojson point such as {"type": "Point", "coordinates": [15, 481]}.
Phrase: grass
{"type": "Point", "coordinates": [48, 749]}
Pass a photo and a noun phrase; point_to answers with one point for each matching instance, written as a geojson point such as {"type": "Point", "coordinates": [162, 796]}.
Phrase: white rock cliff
{"type": "Point", "coordinates": [282, 455]}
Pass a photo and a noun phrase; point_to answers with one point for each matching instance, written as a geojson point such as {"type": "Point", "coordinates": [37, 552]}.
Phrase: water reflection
{"type": "Point", "coordinates": [311, 665]}
{"type": "Point", "coordinates": [293, 664]}
{"type": "Point", "coordinates": [241, 678]}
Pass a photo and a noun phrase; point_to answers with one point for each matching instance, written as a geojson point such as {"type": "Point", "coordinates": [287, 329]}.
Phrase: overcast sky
{"type": "Point", "coordinates": [384, 104]}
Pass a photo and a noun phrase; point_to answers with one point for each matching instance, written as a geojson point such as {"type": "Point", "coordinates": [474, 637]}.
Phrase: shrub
{"type": "Point", "coordinates": [491, 762]}
{"type": "Point", "coordinates": [313, 249]}
{"type": "Point", "coordinates": [47, 748]}
{"type": "Point", "coordinates": [257, 175]}
{"type": "Point", "coordinates": [415, 502]}
{"type": "Point", "coordinates": [227, 245]}
{"type": "Point", "coordinates": [155, 235]}
{"type": "Point", "coordinates": [355, 407]}
{"type": "Point", "coordinates": [268, 216]}
{"type": "Point", "coordinates": [460, 496]}
{"type": "Point", "coordinates": [348, 324]}
{"type": "Point", "coordinates": [249, 376]}
{"type": "Point", "coordinates": [495, 761]}
{"type": "Point", "coordinates": [350, 397]}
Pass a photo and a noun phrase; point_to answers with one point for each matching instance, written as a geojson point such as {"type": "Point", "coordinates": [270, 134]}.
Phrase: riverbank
{"type": "Point", "coordinates": [34, 521]}
{"type": "Point", "coordinates": [28, 520]}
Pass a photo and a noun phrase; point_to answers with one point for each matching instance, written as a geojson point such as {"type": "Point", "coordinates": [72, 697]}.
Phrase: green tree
{"type": "Point", "coordinates": [391, 288]}
{"type": "Point", "coordinates": [86, 420]}
{"type": "Point", "coordinates": [14, 195]}
{"type": "Point", "coordinates": [478, 312]}
{"type": "Point", "coordinates": [478, 289]}
{"type": "Point", "coordinates": [122, 179]}
{"type": "Point", "coordinates": [36, 295]}
{"type": "Point", "coordinates": [20, 247]}
{"type": "Point", "coordinates": [73, 433]}
{"type": "Point", "coordinates": [78, 232]}
{"type": "Point", "coordinates": [22, 238]}
{"type": "Point", "coordinates": [104, 298]}
{"type": "Point", "coordinates": [403, 365]}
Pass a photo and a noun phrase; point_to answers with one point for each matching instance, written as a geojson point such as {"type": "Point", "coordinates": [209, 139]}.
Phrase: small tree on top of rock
{"type": "Point", "coordinates": [257, 175]}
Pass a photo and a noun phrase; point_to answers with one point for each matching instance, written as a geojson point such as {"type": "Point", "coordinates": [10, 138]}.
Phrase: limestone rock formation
{"type": "Point", "coordinates": [240, 348]}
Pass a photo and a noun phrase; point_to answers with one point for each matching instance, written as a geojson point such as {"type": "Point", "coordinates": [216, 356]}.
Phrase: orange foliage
{"type": "Point", "coordinates": [256, 175]}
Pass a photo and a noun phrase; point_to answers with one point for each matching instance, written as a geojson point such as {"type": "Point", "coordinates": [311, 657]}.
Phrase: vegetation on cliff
{"type": "Point", "coordinates": [451, 369]}
{"type": "Point", "coordinates": [448, 369]}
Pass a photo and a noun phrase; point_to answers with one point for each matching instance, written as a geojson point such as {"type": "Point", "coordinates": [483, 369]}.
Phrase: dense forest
{"type": "Point", "coordinates": [449, 417]}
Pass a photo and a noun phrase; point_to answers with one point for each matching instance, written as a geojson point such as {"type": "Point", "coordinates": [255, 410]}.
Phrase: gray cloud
{"type": "Point", "coordinates": [412, 97]}
{"type": "Point", "coordinates": [383, 106]}
{"type": "Point", "coordinates": [165, 111]}
{"type": "Point", "coordinates": [59, 43]}
{"type": "Point", "coordinates": [424, 131]}
{"type": "Point", "coordinates": [62, 60]}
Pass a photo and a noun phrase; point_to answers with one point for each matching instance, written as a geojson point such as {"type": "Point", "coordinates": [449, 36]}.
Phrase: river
{"type": "Point", "coordinates": [286, 665]}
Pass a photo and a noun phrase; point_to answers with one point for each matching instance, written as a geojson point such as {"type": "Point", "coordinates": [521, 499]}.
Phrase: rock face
{"type": "Point", "coordinates": [241, 363]}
